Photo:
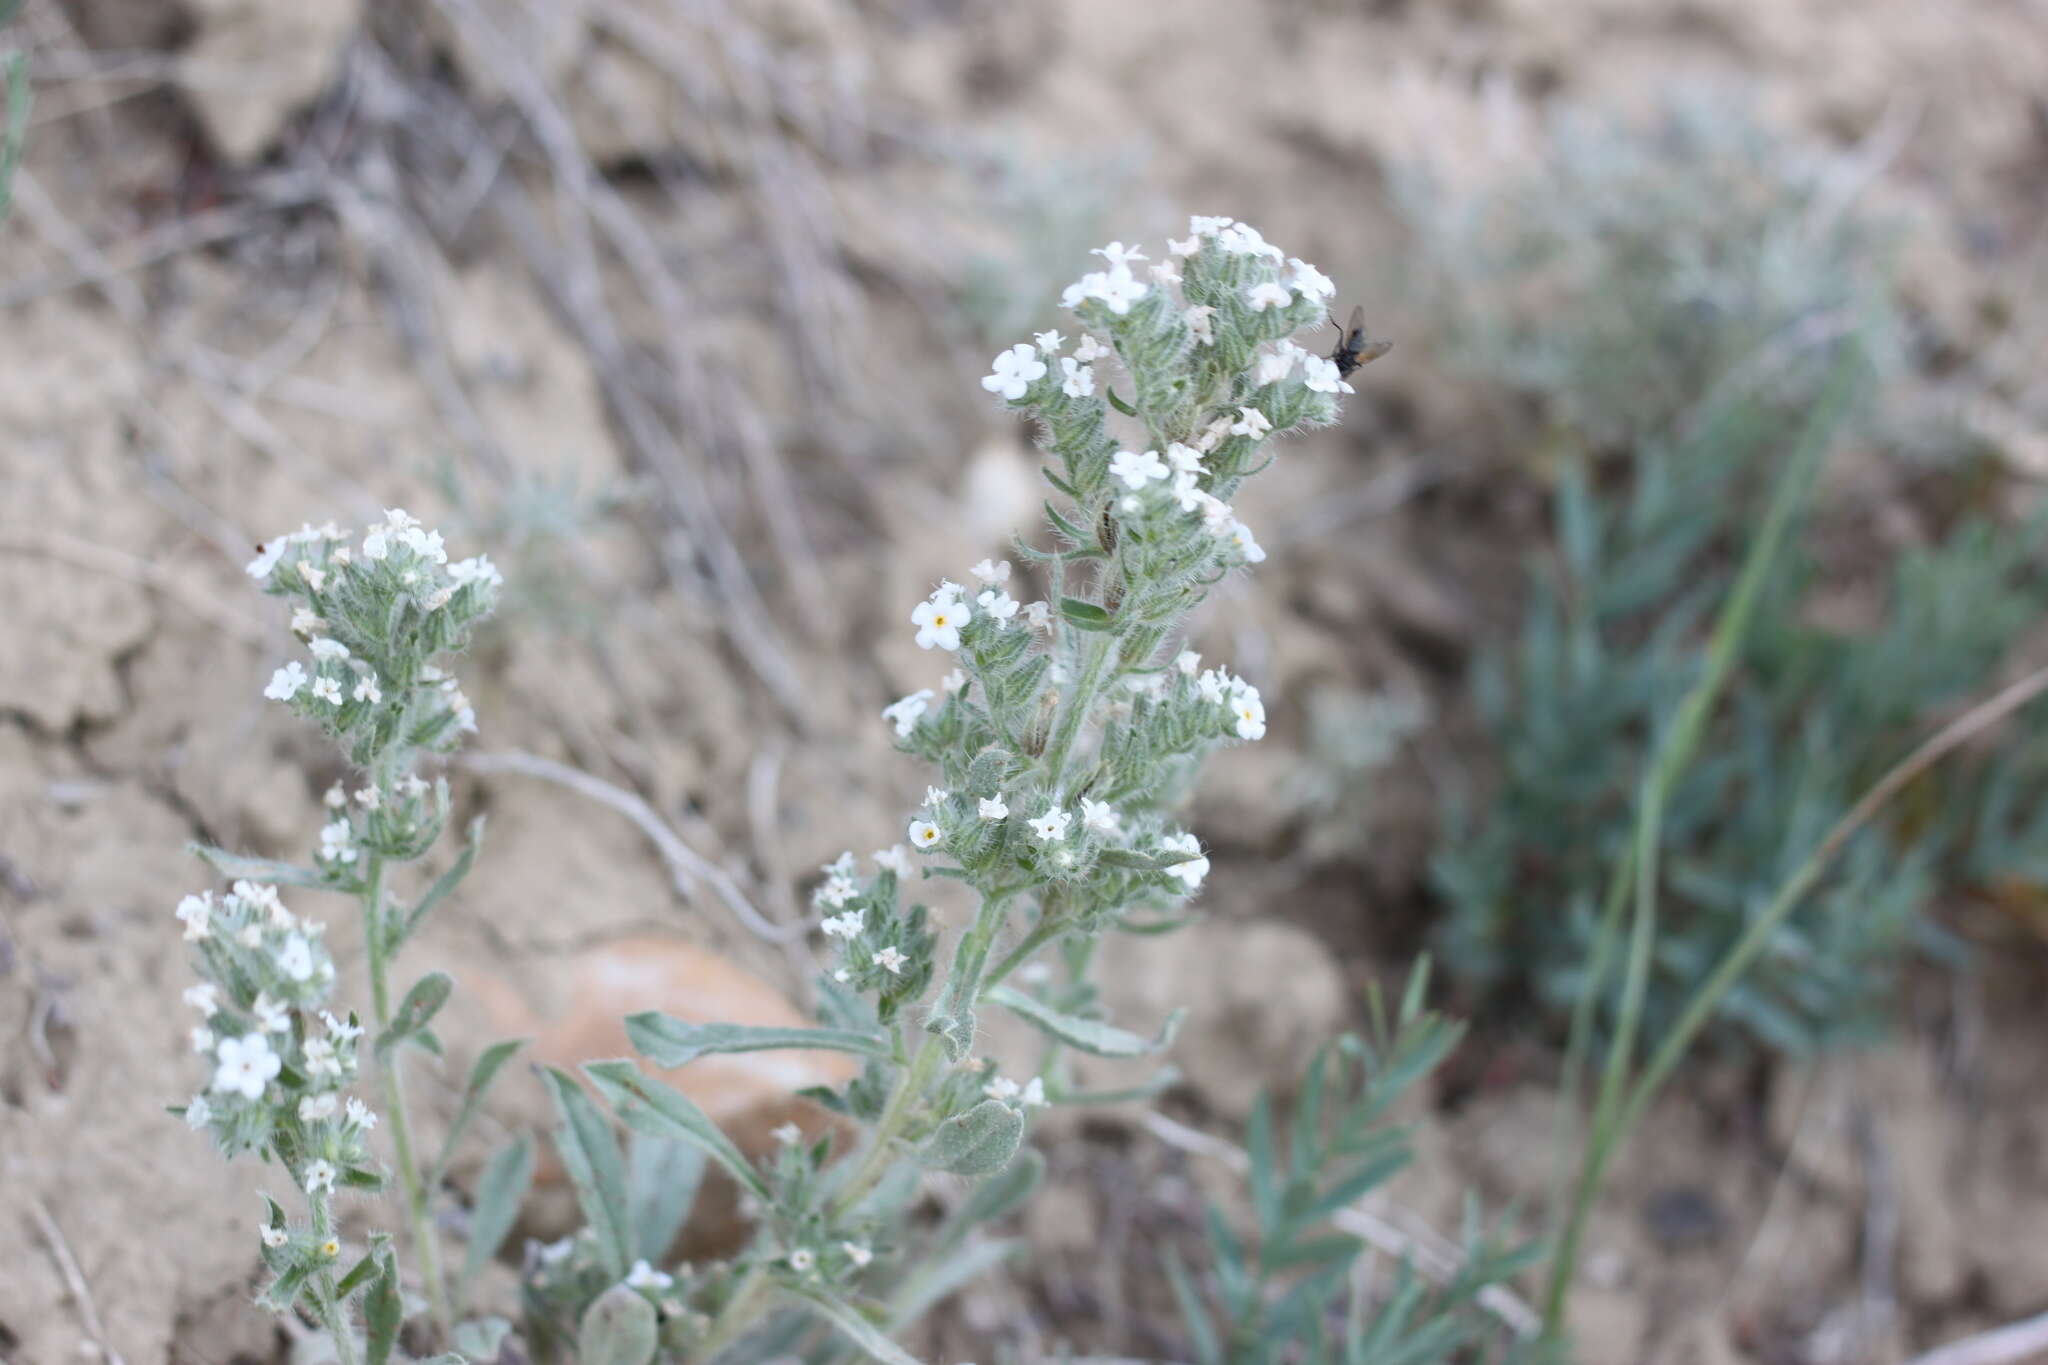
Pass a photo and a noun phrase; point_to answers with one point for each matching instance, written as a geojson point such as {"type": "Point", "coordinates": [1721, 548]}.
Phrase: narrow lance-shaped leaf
{"type": "Point", "coordinates": [234, 865]}
{"type": "Point", "coordinates": [671, 1042]}
{"type": "Point", "coordinates": [416, 1011]}
{"type": "Point", "coordinates": [1087, 1035]}
{"type": "Point", "coordinates": [481, 1075]}
{"type": "Point", "coordinates": [648, 1106]}
{"type": "Point", "coordinates": [447, 881]}
{"type": "Point", "coordinates": [596, 1169]}
{"type": "Point", "coordinates": [850, 1323]}
{"type": "Point", "coordinates": [500, 1190]}
{"type": "Point", "coordinates": [662, 1175]}
{"type": "Point", "coordinates": [383, 1312]}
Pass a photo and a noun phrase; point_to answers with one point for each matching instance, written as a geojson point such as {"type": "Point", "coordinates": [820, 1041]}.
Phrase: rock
{"type": "Point", "coordinates": [285, 51]}
{"type": "Point", "coordinates": [1262, 996]}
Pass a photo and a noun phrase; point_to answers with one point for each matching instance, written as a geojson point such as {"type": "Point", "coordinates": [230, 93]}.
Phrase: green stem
{"type": "Point", "coordinates": [333, 1315]}
{"type": "Point", "coordinates": [1045, 931]}
{"type": "Point", "coordinates": [1102, 649]}
{"type": "Point", "coordinates": [394, 1101]}
{"type": "Point", "coordinates": [1615, 1111]}
{"type": "Point", "coordinates": [738, 1314]}
{"type": "Point", "coordinates": [894, 1116]}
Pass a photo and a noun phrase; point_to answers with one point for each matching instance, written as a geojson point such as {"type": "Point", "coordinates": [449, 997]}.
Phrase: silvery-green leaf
{"type": "Point", "coordinates": [1088, 1035]}
{"type": "Point", "coordinates": [383, 1312]}
{"type": "Point", "coordinates": [481, 1075]}
{"type": "Point", "coordinates": [500, 1190]}
{"type": "Point", "coordinates": [648, 1106]}
{"type": "Point", "coordinates": [851, 1323]}
{"type": "Point", "coordinates": [1002, 1193]}
{"type": "Point", "coordinates": [234, 865]}
{"type": "Point", "coordinates": [661, 1183]}
{"type": "Point", "coordinates": [448, 880]}
{"type": "Point", "coordinates": [671, 1042]}
{"type": "Point", "coordinates": [978, 1142]}
{"type": "Point", "coordinates": [935, 1280]}
{"type": "Point", "coordinates": [596, 1169]}
{"type": "Point", "coordinates": [420, 1005]}
{"type": "Point", "coordinates": [619, 1328]}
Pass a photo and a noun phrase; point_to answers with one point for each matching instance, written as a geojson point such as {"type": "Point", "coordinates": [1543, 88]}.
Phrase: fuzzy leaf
{"type": "Point", "coordinates": [234, 865]}
{"type": "Point", "coordinates": [420, 1005]}
{"type": "Point", "coordinates": [662, 1175]}
{"type": "Point", "coordinates": [1002, 1193]}
{"type": "Point", "coordinates": [648, 1106]}
{"type": "Point", "coordinates": [596, 1169]}
{"type": "Point", "coordinates": [1089, 1035]}
{"type": "Point", "coordinates": [851, 1324]}
{"type": "Point", "coordinates": [1085, 615]}
{"type": "Point", "coordinates": [619, 1328]}
{"type": "Point", "coordinates": [447, 881]}
{"type": "Point", "coordinates": [1119, 404]}
{"type": "Point", "coordinates": [383, 1313]}
{"type": "Point", "coordinates": [500, 1191]}
{"type": "Point", "coordinates": [936, 1280]}
{"type": "Point", "coordinates": [978, 1142]}
{"type": "Point", "coordinates": [481, 1074]}
{"type": "Point", "coordinates": [671, 1042]}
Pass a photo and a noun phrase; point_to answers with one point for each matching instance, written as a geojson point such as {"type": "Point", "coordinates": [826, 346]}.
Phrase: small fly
{"type": "Point", "coordinates": [1354, 348]}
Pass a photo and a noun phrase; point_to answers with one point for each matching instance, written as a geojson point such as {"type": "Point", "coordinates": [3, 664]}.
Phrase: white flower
{"type": "Point", "coordinates": [425, 544]}
{"type": "Point", "coordinates": [356, 1114]}
{"type": "Point", "coordinates": [1201, 321]}
{"type": "Point", "coordinates": [1051, 827]}
{"type": "Point", "coordinates": [1166, 272]}
{"type": "Point", "coordinates": [935, 796]}
{"type": "Point", "coordinates": [857, 1253]}
{"type": "Point", "coordinates": [335, 798]}
{"type": "Point", "coordinates": [375, 546]}
{"type": "Point", "coordinates": [204, 997]}
{"type": "Point", "coordinates": [1184, 459]}
{"type": "Point", "coordinates": [1192, 870]}
{"type": "Point", "coordinates": [327, 690]}
{"type": "Point", "coordinates": [894, 859]}
{"type": "Point", "coordinates": [802, 1259]}
{"type": "Point", "coordinates": [203, 1040]}
{"type": "Point", "coordinates": [1242, 239]}
{"type": "Point", "coordinates": [953, 681]}
{"type": "Point", "coordinates": [295, 959]}
{"type": "Point", "coordinates": [1015, 370]}
{"type": "Point", "coordinates": [1033, 1095]}
{"type": "Point", "coordinates": [315, 576]}
{"type": "Point", "coordinates": [939, 618]}
{"type": "Point", "coordinates": [1099, 816]}
{"type": "Point", "coordinates": [1214, 686]}
{"type": "Point", "coordinates": [327, 649]}
{"type": "Point", "coordinates": [1250, 423]}
{"type": "Point", "coordinates": [891, 961]}
{"type": "Point", "coordinates": [993, 572]}
{"type": "Point", "coordinates": [1187, 661]}
{"type": "Point", "coordinates": [1135, 469]}
{"type": "Point", "coordinates": [1002, 1088]}
{"type": "Point", "coordinates": [1188, 491]}
{"type": "Point", "coordinates": [305, 621]}
{"type": "Point", "coordinates": [1116, 287]}
{"type": "Point", "coordinates": [371, 797]}
{"type": "Point", "coordinates": [263, 896]}
{"type": "Point", "coordinates": [841, 926]}
{"type": "Point", "coordinates": [313, 1108]}
{"type": "Point", "coordinates": [272, 1237]}
{"type": "Point", "coordinates": [320, 1176]}
{"type": "Point", "coordinates": [1250, 711]}
{"type": "Point", "coordinates": [271, 1016]}
{"type": "Point", "coordinates": [1213, 434]}
{"type": "Point", "coordinates": [906, 711]}
{"type": "Point", "coordinates": [923, 833]}
{"type": "Point", "coordinates": [477, 569]}
{"type": "Point", "coordinates": [366, 689]}
{"type": "Point", "coordinates": [1039, 615]}
{"type": "Point", "coordinates": [415, 785]}
{"type": "Point", "coordinates": [286, 682]}
{"type": "Point", "coordinates": [1207, 227]}
{"type": "Point", "coordinates": [1309, 281]}
{"type": "Point", "coordinates": [1260, 297]}
{"type": "Point", "coordinates": [1322, 375]}
{"type": "Point", "coordinates": [1186, 247]}
{"type": "Point", "coordinates": [1215, 511]}
{"type": "Point", "coordinates": [1080, 378]}
{"type": "Point", "coordinates": [246, 1065]}
{"type": "Point", "coordinates": [320, 1058]}
{"type": "Point", "coordinates": [1090, 350]}
{"type": "Point", "coordinates": [267, 555]}
{"type": "Point", "coordinates": [998, 605]}
{"type": "Point", "coordinates": [197, 914]}
{"type": "Point", "coordinates": [346, 1030]}
{"type": "Point", "coordinates": [337, 842]}
{"type": "Point", "coordinates": [1049, 343]}
{"type": "Point", "coordinates": [994, 808]}
{"type": "Point", "coordinates": [250, 935]}
{"type": "Point", "coordinates": [198, 1112]}
{"type": "Point", "coordinates": [1240, 535]}
{"type": "Point", "coordinates": [789, 1135]}
{"type": "Point", "coordinates": [1116, 253]}
{"type": "Point", "coordinates": [1273, 367]}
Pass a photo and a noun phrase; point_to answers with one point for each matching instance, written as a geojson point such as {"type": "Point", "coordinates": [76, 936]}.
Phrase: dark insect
{"type": "Point", "coordinates": [1354, 348]}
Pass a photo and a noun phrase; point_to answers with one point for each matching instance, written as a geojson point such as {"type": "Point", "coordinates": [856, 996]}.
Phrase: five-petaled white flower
{"type": "Point", "coordinates": [295, 958]}
{"type": "Point", "coordinates": [998, 605]}
{"type": "Point", "coordinates": [1243, 239]}
{"type": "Point", "coordinates": [1273, 367]}
{"type": "Point", "coordinates": [1038, 615]}
{"type": "Point", "coordinates": [1266, 295]}
{"type": "Point", "coordinates": [272, 1237]}
{"type": "Point", "coordinates": [1014, 372]}
{"type": "Point", "coordinates": [356, 1114]}
{"type": "Point", "coordinates": [994, 808]}
{"type": "Point", "coordinates": [1207, 227]}
{"type": "Point", "coordinates": [1166, 272]}
{"type": "Point", "coordinates": [845, 925]}
{"type": "Point", "coordinates": [204, 997]}
{"type": "Point", "coordinates": [1214, 686]}
{"type": "Point", "coordinates": [938, 619]}
{"type": "Point", "coordinates": [315, 576]}
{"type": "Point", "coordinates": [923, 833]}
{"type": "Point", "coordinates": [305, 621]}
{"type": "Point", "coordinates": [1099, 816]}
{"type": "Point", "coordinates": [1090, 350]}
{"type": "Point", "coordinates": [890, 961]}
{"type": "Point", "coordinates": [1201, 320]}
{"type": "Point", "coordinates": [1192, 869]}
{"type": "Point", "coordinates": [197, 914]}
{"type": "Point", "coordinates": [894, 859]}
{"type": "Point", "coordinates": [906, 711]}
{"type": "Point", "coordinates": [1051, 827]}
{"type": "Point", "coordinates": [1137, 469]}
{"type": "Point", "coordinates": [367, 690]}
{"type": "Point", "coordinates": [198, 1113]}
{"type": "Point", "coordinates": [1187, 661]}
{"type": "Point", "coordinates": [1309, 281]}
{"type": "Point", "coordinates": [327, 690]}
{"type": "Point", "coordinates": [1079, 378]}
{"type": "Point", "coordinates": [1186, 247]}
{"type": "Point", "coordinates": [1321, 374]}
{"type": "Point", "coordinates": [337, 842]}
{"type": "Point", "coordinates": [1049, 343]}
{"type": "Point", "coordinates": [1240, 535]}
{"type": "Point", "coordinates": [802, 1259]}
{"type": "Point", "coordinates": [347, 1030]}
{"type": "Point", "coordinates": [993, 572]}
{"type": "Point", "coordinates": [1117, 287]}
{"type": "Point", "coordinates": [286, 682]}
{"type": "Point", "coordinates": [313, 1108]}
{"type": "Point", "coordinates": [246, 1065]}
{"type": "Point", "coordinates": [1116, 253]}
{"type": "Point", "coordinates": [1185, 459]}
{"type": "Point", "coordinates": [1251, 422]}
{"type": "Point", "coordinates": [326, 649]}
{"type": "Point", "coordinates": [267, 555]}
{"type": "Point", "coordinates": [1002, 1088]}
{"type": "Point", "coordinates": [1033, 1094]}
{"type": "Point", "coordinates": [271, 1016]}
{"type": "Point", "coordinates": [320, 1177]}
{"type": "Point", "coordinates": [320, 1058]}
{"type": "Point", "coordinates": [1250, 710]}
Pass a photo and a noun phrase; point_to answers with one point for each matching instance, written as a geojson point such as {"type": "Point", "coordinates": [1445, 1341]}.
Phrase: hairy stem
{"type": "Point", "coordinates": [737, 1316]}
{"type": "Point", "coordinates": [894, 1116]}
{"type": "Point", "coordinates": [394, 1100]}
{"type": "Point", "coordinates": [333, 1312]}
{"type": "Point", "coordinates": [1101, 651]}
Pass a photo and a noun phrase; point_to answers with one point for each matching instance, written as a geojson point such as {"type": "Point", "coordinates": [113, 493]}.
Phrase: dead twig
{"type": "Point", "coordinates": [1429, 1251]}
{"type": "Point", "coordinates": [74, 1279]}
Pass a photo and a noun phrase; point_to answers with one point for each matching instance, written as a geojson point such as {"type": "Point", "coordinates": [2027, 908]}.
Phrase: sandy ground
{"type": "Point", "coordinates": [241, 290]}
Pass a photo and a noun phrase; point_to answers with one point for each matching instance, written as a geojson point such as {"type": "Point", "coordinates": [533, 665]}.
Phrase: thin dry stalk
{"type": "Point", "coordinates": [74, 1279]}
